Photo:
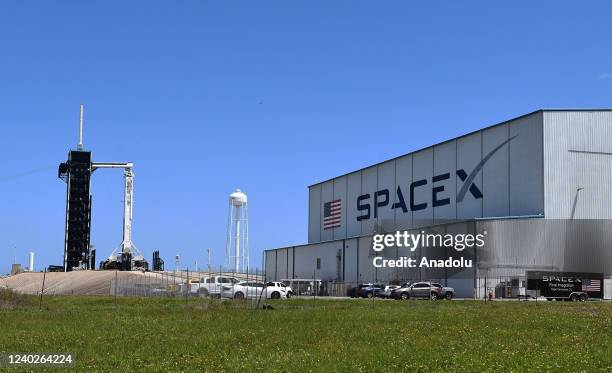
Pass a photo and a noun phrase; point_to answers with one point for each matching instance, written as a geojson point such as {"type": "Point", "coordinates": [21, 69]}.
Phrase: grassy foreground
{"type": "Point", "coordinates": [301, 335]}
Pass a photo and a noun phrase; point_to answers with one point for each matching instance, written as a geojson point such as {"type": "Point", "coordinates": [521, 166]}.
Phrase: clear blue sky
{"type": "Point", "coordinates": [207, 96]}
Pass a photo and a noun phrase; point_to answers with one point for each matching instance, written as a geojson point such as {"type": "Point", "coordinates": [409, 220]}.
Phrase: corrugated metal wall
{"type": "Point", "coordinates": [578, 164]}
{"type": "Point", "coordinates": [512, 247]}
{"type": "Point", "coordinates": [511, 182]}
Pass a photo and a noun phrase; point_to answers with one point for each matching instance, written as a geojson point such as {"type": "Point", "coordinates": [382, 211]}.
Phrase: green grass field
{"type": "Point", "coordinates": [161, 334]}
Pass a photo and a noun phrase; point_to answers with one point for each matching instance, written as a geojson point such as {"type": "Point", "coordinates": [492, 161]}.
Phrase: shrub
{"type": "Point", "coordinates": [11, 300]}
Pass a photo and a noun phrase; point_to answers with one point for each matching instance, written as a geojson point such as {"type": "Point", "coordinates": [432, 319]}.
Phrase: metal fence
{"type": "Point", "coordinates": [224, 284]}
{"type": "Point", "coordinates": [193, 284]}
{"type": "Point", "coordinates": [183, 283]}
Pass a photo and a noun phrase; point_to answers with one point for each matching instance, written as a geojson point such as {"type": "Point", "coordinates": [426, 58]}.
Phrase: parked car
{"type": "Point", "coordinates": [367, 290]}
{"type": "Point", "coordinates": [211, 286]}
{"type": "Point", "coordinates": [423, 289]}
{"type": "Point", "coordinates": [253, 289]}
{"type": "Point", "coordinates": [395, 292]}
{"type": "Point", "coordinates": [280, 284]}
{"type": "Point", "coordinates": [447, 292]}
{"type": "Point", "coordinates": [354, 291]}
{"type": "Point", "coordinates": [386, 292]}
{"type": "Point", "coordinates": [372, 291]}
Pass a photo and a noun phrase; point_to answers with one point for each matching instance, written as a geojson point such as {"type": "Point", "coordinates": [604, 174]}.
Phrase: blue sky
{"type": "Point", "coordinates": [208, 96]}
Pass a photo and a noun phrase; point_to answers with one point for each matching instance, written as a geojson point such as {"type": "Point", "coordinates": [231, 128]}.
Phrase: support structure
{"type": "Point", "coordinates": [128, 195]}
{"type": "Point", "coordinates": [126, 256]}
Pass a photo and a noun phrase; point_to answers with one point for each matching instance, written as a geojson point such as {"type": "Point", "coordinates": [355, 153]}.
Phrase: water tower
{"type": "Point", "coordinates": [237, 248]}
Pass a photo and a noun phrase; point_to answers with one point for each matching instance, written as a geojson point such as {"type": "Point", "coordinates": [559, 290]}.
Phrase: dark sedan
{"type": "Point", "coordinates": [366, 290]}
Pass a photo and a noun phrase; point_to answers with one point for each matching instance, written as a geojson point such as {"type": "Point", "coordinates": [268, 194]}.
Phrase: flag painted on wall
{"type": "Point", "coordinates": [332, 214]}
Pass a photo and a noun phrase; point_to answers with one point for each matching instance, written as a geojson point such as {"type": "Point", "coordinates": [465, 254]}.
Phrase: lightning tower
{"type": "Point", "coordinates": [76, 172]}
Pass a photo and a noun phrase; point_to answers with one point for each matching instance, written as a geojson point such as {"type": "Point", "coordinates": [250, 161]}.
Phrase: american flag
{"type": "Point", "coordinates": [591, 285]}
{"type": "Point", "coordinates": [332, 214]}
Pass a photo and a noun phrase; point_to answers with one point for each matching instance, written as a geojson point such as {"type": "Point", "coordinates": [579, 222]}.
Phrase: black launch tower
{"type": "Point", "coordinates": [76, 172]}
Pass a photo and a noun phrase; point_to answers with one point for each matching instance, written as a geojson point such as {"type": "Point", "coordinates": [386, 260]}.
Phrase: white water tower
{"type": "Point", "coordinates": [31, 262]}
{"type": "Point", "coordinates": [237, 247]}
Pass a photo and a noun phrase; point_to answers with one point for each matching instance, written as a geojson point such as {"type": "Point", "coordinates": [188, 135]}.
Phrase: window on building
{"type": "Point", "coordinates": [318, 263]}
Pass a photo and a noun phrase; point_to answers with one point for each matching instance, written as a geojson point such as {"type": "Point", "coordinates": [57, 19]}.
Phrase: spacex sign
{"type": "Point", "coordinates": [381, 197]}
{"type": "Point", "coordinates": [368, 204]}
{"type": "Point", "coordinates": [494, 172]}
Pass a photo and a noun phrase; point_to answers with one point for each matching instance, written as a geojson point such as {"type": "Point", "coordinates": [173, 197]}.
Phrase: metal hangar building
{"type": "Point", "coordinates": [539, 187]}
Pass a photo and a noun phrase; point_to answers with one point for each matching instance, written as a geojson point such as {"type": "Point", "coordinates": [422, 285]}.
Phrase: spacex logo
{"type": "Point", "coordinates": [369, 204]}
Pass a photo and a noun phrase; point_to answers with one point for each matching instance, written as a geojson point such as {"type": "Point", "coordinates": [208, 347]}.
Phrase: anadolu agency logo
{"type": "Point", "coordinates": [412, 241]}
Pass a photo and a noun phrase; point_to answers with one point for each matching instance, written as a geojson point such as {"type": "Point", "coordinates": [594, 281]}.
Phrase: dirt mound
{"type": "Point", "coordinates": [99, 282]}
{"type": "Point", "coordinates": [65, 283]}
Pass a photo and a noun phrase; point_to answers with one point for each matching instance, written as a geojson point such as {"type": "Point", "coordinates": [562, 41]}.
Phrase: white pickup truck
{"type": "Point", "coordinates": [210, 286]}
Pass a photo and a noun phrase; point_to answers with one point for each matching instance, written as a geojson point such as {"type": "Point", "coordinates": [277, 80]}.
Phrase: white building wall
{"type": "Point", "coordinates": [327, 195]}
{"type": "Point", "coordinates": [578, 164]}
{"type": "Point", "coordinates": [422, 169]}
{"type": "Point", "coordinates": [526, 166]}
{"type": "Point", "coordinates": [512, 247]}
{"type": "Point", "coordinates": [469, 153]}
{"type": "Point", "coordinates": [353, 228]}
{"type": "Point", "coordinates": [340, 194]}
{"type": "Point", "coordinates": [386, 181]}
{"type": "Point", "coordinates": [504, 164]}
{"type": "Point", "coordinates": [282, 263]}
{"type": "Point", "coordinates": [403, 177]}
{"type": "Point", "coordinates": [369, 186]}
{"type": "Point", "coordinates": [444, 163]}
{"type": "Point", "coordinates": [314, 213]}
{"type": "Point", "coordinates": [367, 272]}
{"type": "Point", "coordinates": [495, 173]}
{"type": "Point", "coordinates": [306, 261]}
{"type": "Point", "coordinates": [350, 260]}
{"type": "Point", "coordinates": [290, 262]}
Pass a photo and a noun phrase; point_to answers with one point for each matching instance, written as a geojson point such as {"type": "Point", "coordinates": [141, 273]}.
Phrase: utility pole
{"type": "Point", "coordinates": [208, 259]}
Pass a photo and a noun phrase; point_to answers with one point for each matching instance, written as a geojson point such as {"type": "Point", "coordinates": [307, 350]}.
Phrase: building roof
{"type": "Point", "coordinates": [459, 137]}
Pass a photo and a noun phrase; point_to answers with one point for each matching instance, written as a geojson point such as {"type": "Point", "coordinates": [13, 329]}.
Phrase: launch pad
{"type": "Point", "coordinates": [78, 253]}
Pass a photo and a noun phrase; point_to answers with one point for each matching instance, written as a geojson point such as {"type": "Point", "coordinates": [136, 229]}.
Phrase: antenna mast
{"type": "Point", "coordinates": [80, 145]}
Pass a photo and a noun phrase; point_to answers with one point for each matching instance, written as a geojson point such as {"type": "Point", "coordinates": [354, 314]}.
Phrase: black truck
{"type": "Point", "coordinates": [572, 286]}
